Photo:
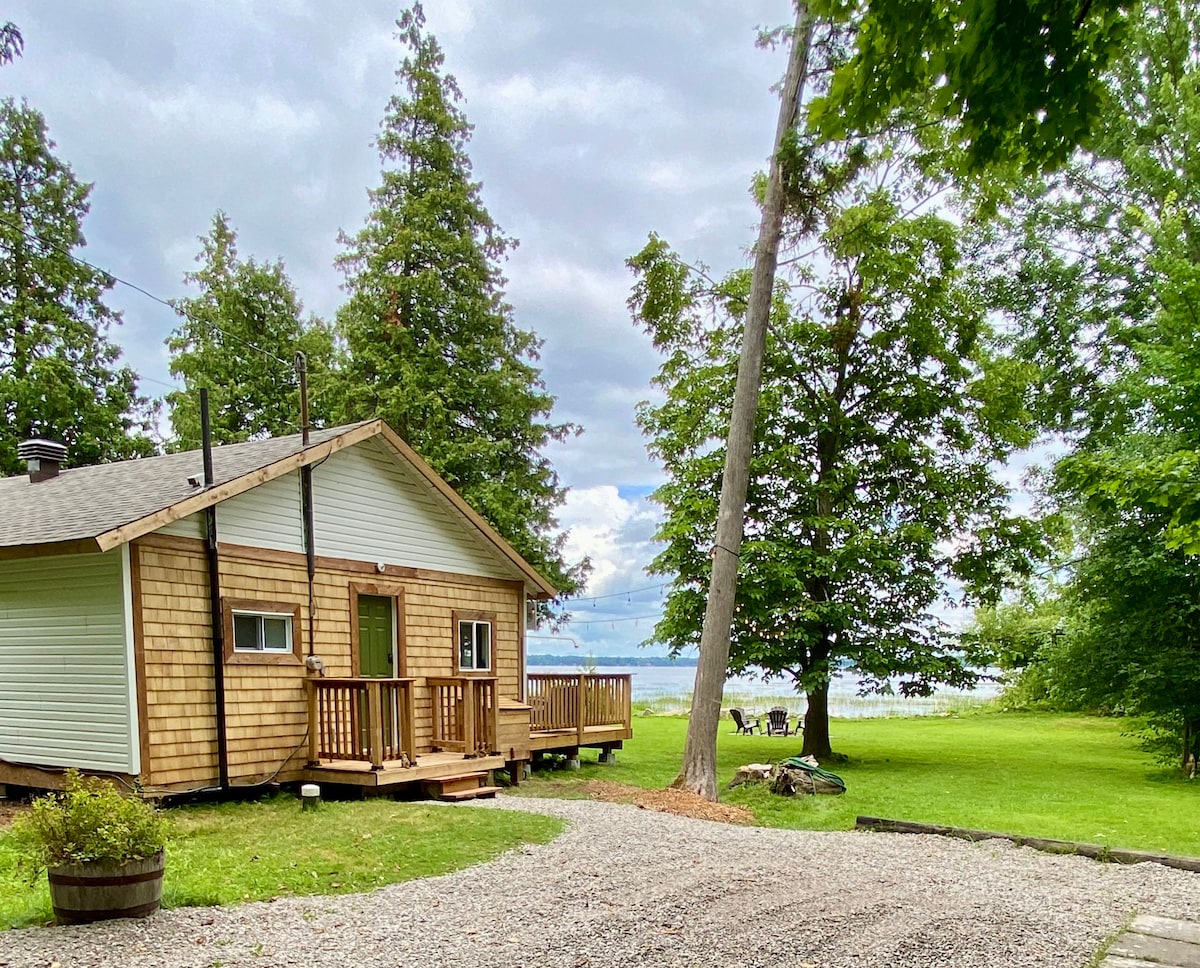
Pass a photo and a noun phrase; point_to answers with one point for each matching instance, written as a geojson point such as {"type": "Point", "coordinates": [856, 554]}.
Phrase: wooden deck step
{"type": "Point", "coordinates": [483, 792]}
{"type": "Point", "coordinates": [460, 786]}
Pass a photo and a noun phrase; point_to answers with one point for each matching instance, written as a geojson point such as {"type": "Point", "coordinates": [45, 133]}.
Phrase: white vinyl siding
{"type": "Point", "coordinates": [368, 505]}
{"type": "Point", "coordinates": [267, 516]}
{"type": "Point", "coordinates": [190, 527]}
{"type": "Point", "coordinates": [371, 507]}
{"type": "Point", "coordinates": [65, 673]}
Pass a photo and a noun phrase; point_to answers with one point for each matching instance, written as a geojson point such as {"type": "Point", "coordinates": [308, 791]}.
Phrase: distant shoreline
{"type": "Point", "coordinates": [609, 660]}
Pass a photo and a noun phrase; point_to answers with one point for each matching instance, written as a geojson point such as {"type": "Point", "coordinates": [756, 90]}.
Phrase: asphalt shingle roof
{"type": "Point", "coordinates": [83, 502]}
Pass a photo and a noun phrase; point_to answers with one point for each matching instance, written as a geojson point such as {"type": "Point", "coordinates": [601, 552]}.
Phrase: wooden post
{"type": "Point", "coordinates": [628, 686]}
{"type": "Point", "coordinates": [494, 718]}
{"type": "Point", "coordinates": [580, 707]}
{"type": "Point", "coordinates": [375, 724]}
{"type": "Point", "coordinates": [468, 717]}
{"type": "Point", "coordinates": [314, 724]}
{"type": "Point", "coordinates": [408, 731]}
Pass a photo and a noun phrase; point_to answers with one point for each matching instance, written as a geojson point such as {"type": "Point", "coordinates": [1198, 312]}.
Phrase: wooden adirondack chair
{"type": "Point", "coordinates": [745, 725]}
{"type": "Point", "coordinates": [777, 722]}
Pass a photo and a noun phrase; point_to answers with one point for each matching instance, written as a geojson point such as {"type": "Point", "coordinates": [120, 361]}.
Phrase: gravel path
{"type": "Point", "coordinates": [625, 887]}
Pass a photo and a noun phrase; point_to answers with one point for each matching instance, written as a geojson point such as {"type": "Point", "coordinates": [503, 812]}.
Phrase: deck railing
{"type": "Point", "coordinates": [370, 720]}
{"type": "Point", "coordinates": [575, 702]}
{"type": "Point", "coordinates": [465, 714]}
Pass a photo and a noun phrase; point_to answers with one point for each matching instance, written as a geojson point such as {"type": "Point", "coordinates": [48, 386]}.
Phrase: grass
{"type": "Point", "coordinates": [252, 851]}
{"type": "Point", "coordinates": [1063, 777]}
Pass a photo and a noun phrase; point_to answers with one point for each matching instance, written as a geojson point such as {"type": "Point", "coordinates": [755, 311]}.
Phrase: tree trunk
{"type": "Point", "coordinates": [816, 724]}
{"type": "Point", "coordinates": [1191, 747]}
{"type": "Point", "coordinates": [699, 772]}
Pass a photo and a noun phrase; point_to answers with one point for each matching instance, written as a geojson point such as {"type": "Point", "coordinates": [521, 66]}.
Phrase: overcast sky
{"type": "Point", "coordinates": [595, 124]}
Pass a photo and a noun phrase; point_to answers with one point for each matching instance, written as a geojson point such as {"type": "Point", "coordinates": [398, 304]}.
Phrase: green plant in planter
{"type": "Point", "coordinates": [102, 849]}
{"type": "Point", "coordinates": [90, 821]}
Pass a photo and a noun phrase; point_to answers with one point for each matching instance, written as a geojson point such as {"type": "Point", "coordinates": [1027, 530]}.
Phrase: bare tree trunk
{"type": "Point", "coordinates": [699, 773]}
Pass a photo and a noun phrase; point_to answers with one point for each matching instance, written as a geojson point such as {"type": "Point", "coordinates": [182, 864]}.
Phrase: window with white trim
{"type": "Point", "coordinates": [474, 646]}
{"type": "Point", "coordinates": [262, 632]}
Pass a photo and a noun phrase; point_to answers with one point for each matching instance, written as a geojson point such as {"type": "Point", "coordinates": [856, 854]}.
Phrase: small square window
{"type": "Point", "coordinates": [474, 646]}
{"type": "Point", "coordinates": [262, 632]}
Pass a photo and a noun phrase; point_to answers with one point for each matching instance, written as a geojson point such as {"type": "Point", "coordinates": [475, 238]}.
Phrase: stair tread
{"type": "Point", "coordinates": [472, 794]}
{"type": "Point", "coordinates": [475, 775]}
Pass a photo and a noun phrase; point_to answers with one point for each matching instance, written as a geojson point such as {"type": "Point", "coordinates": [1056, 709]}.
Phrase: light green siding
{"type": "Point", "coordinates": [65, 663]}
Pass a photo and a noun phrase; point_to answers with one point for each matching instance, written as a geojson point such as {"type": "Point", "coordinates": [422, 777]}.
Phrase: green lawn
{"type": "Point", "coordinates": [233, 852]}
{"type": "Point", "coordinates": [1066, 777]}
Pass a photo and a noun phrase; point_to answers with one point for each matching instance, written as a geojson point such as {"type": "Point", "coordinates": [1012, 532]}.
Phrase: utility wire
{"type": "Point", "coordinates": [610, 621]}
{"type": "Point", "coordinates": [626, 593]}
{"type": "Point", "coordinates": [34, 237]}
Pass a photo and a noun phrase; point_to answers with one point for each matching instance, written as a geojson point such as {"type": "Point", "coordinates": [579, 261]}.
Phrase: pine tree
{"type": "Point", "coordinates": [60, 377]}
{"type": "Point", "coordinates": [239, 338]}
{"type": "Point", "coordinates": [432, 346]}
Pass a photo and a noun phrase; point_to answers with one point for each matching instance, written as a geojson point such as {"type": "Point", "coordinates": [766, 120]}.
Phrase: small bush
{"type": "Point", "coordinates": [90, 821]}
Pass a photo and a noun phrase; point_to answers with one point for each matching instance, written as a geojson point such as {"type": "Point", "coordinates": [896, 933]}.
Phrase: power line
{"type": "Point", "coordinates": [631, 591]}
{"type": "Point", "coordinates": [613, 621]}
{"type": "Point", "coordinates": [34, 237]}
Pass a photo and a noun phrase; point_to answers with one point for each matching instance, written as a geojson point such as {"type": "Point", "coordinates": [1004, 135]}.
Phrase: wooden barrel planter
{"type": "Point", "coordinates": [95, 892]}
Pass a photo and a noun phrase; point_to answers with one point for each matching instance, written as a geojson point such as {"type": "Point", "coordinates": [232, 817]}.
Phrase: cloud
{"type": "Point", "coordinates": [575, 93]}
{"type": "Point", "coordinates": [613, 531]}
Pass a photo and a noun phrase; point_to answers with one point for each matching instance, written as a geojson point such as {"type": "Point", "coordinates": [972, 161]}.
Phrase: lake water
{"type": "Point", "coordinates": [671, 686]}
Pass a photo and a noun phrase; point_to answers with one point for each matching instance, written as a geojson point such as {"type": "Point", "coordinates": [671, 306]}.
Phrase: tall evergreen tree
{"type": "Point", "coordinates": [239, 338]}
{"type": "Point", "coordinates": [431, 343]}
{"type": "Point", "coordinates": [60, 377]}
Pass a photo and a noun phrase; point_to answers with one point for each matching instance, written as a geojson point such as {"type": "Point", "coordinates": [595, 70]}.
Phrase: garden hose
{"type": "Point", "coordinates": [796, 763]}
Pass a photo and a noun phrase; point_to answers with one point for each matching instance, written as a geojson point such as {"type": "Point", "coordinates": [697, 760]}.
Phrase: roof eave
{"type": "Point", "coordinates": [78, 546]}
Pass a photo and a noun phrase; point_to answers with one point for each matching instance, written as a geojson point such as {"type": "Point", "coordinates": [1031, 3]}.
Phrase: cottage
{"type": "Point", "coordinates": [189, 628]}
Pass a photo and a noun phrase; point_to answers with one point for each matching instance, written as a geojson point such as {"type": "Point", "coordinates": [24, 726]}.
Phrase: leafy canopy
{"type": "Point", "coordinates": [1096, 269]}
{"type": "Point", "coordinates": [886, 404]}
{"type": "Point", "coordinates": [1017, 80]}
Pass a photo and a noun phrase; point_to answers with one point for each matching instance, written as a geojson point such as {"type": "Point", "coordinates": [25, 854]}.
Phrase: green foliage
{"type": "Point", "coordinates": [1134, 644]}
{"type": "Point", "coordinates": [1064, 777]}
{"type": "Point", "coordinates": [431, 344]}
{"type": "Point", "coordinates": [886, 403]}
{"type": "Point", "coordinates": [232, 853]}
{"type": "Point", "coordinates": [239, 338]}
{"type": "Point", "coordinates": [1018, 80]}
{"type": "Point", "coordinates": [1098, 270]}
{"type": "Point", "coordinates": [60, 377]}
{"type": "Point", "coordinates": [90, 821]}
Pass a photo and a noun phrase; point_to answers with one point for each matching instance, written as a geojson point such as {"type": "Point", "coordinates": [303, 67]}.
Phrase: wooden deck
{"type": "Point", "coordinates": [585, 709]}
{"type": "Point", "coordinates": [548, 740]}
{"type": "Point", "coordinates": [428, 766]}
{"type": "Point", "coordinates": [364, 731]}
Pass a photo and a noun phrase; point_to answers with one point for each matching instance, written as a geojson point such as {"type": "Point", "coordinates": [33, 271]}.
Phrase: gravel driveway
{"type": "Point", "coordinates": [625, 887]}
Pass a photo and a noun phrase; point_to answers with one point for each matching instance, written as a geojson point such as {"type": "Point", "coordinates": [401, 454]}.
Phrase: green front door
{"type": "Point", "coordinates": [375, 638]}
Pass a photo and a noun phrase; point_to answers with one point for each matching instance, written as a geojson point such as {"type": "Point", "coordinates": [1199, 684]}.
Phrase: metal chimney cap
{"type": "Point", "coordinates": [42, 450]}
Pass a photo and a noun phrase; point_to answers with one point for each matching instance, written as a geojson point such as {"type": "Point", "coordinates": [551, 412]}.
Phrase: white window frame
{"type": "Point", "coordinates": [475, 624]}
{"type": "Point", "coordinates": [286, 617]}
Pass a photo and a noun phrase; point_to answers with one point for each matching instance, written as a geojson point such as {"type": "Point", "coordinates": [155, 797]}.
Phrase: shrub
{"type": "Point", "coordinates": [90, 821]}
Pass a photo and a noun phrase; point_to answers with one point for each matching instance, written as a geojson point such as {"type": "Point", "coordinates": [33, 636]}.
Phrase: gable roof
{"type": "Point", "coordinates": [96, 508]}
